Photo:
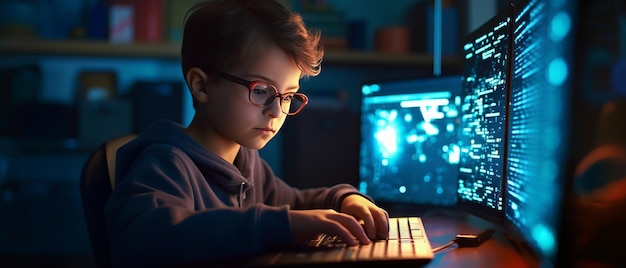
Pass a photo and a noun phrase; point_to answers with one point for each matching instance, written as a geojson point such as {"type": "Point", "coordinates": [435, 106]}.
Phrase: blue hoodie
{"type": "Point", "coordinates": [177, 203]}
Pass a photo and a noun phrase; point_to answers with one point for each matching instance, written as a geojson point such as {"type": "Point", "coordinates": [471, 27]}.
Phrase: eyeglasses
{"type": "Point", "coordinates": [260, 94]}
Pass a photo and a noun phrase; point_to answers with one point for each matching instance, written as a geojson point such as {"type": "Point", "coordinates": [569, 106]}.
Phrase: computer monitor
{"type": "Point", "coordinates": [408, 151]}
{"type": "Point", "coordinates": [482, 133]}
{"type": "Point", "coordinates": [538, 126]}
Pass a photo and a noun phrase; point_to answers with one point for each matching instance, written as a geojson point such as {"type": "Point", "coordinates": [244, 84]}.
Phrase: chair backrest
{"type": "Point", "coordinates": [96, 184]}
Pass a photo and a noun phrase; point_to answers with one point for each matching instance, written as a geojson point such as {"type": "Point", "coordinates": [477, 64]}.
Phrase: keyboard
{"type": "Point", "coordinates": [407, 243]}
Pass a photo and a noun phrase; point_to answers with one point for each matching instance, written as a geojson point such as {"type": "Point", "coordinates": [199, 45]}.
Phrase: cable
{"type": "Point", "coordinates": [447, 245]}
{"type": "Point", "coordinates": [467, 240]}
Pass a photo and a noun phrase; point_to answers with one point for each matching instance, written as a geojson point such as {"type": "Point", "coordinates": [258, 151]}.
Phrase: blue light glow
{"type": "Point", "coordinates": [454, 157]}
{"type": "Point", "coordinates": [560, 26]}
{"type": "Point", "coordinates": [450, 128]}
{"type": "Point", "coordinates": [387, 139]}
{"type": "Point", "coordinates": [545, 238]}
{"type": "Point", "coordinates": [402, 189]}
{"type": "Point", "coordinates": [369, 89]}
{"type": "Point", "coordinates": [557, 72]}
{"type": "Point", "coordinates": [363, 187]}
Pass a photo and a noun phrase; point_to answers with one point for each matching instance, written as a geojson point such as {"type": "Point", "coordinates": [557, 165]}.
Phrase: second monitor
{"type": "Point", "coordinates": [408, 152]}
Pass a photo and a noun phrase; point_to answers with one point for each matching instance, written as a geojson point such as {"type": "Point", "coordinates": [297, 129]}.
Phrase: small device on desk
{"type": "Point", "coordinates": [473, 240]}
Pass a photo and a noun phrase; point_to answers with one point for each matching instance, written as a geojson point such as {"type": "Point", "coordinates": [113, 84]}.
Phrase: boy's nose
{"type": "Point", "coordinates": [273, 109]}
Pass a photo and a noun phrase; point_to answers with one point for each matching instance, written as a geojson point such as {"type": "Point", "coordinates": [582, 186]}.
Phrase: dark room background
{"type": "Point", "coordinates": [67, 83]}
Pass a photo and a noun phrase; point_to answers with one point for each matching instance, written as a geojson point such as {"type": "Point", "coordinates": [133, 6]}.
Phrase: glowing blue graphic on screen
{"type": "Point", "coordinates": [537, 124]}
{"type": "Point", "coordinates": [483, 114]}
{"type": "Point", "coordinates": [408, 148]}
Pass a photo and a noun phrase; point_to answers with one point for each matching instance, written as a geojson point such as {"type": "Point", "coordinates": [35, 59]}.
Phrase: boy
{"type": "Point", "coordinates": [202, 193]}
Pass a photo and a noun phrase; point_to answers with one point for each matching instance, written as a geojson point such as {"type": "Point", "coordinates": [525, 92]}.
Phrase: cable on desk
{"type": "Point", "coordinates": [447, 245]}
{"type": "Point", "coordinates": [467, 240]}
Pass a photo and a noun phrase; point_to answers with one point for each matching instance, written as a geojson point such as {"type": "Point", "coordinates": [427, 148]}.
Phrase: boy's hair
{"type": "Point", "coordinates": [221, 34]}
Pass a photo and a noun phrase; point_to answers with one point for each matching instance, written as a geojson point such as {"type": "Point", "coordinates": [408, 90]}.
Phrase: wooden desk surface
{"type": "Point", "coordinates": [442, 226]}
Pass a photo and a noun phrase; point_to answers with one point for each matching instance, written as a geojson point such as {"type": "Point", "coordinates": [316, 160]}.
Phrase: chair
{"type": "Point", "coordinates": [96, 183]}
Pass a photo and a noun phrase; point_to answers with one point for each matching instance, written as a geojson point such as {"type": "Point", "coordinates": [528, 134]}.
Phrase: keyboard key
{"type": "Point", "coordinates": [406, 248]}
{"type": "Point", "coordinates": [379, 249]}
{"type": "Point", "coordinates": [403, 229]}
{"type": "Point", "coordinates": [393, 229]}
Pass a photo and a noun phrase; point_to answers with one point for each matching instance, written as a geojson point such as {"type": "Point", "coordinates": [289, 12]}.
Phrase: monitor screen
{"type": "Point", "coordinates": [538, 124]}
{"type": "Point", "coordinates": [482, 134]}
{"type": "Point", "coordinates": [408, 151]}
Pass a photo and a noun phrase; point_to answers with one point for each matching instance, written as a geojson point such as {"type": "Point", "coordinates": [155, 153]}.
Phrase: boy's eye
{"type": "Point", "coordinates": [260, 89]}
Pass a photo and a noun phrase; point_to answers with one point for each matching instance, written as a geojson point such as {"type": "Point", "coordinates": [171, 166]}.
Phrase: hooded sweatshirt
{"type": "Point", "coordinates": [177, 203]}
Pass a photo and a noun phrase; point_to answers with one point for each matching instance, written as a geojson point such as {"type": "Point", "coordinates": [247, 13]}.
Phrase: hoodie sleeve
{"type": "Point", "coordinates": [162, 214]}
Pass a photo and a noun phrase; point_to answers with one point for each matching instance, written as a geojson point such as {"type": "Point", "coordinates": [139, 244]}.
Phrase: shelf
{"type": "Point", "coordinates": [87, 48]}
{"type": "Point", "coordinates": [172, 51]}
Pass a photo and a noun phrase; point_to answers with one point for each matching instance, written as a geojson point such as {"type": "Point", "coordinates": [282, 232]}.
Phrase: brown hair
{"type": "Point", "coordinates": [220, 34]}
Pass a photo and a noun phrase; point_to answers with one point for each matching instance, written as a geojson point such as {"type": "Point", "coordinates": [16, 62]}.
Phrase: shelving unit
{"type": "Point", "coordinates": [172, 51]}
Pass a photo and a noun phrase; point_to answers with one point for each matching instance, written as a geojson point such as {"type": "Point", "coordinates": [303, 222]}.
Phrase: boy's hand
{"type": "Point", "coordinates": [375, 219]}
{"type": "Point", "coordinates": [309, 224]}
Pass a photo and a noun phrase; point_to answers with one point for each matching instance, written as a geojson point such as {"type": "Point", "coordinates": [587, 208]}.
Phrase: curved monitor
{"type": "Point", "coordinates": [538, 128]}
{"type": "Point", "coordinates": [482, 134]}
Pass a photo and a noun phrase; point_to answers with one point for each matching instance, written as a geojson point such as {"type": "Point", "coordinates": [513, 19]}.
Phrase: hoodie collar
{"type": "Point", "coordinates": [235, 178]}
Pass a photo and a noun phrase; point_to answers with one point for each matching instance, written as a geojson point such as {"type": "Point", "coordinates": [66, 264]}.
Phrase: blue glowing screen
{"type": "Point", "coordinates": [537, 126]}
{"type": "Point", "coordinates": [409, 152]}
{"type": "Point", "coordinates": [483, 117]}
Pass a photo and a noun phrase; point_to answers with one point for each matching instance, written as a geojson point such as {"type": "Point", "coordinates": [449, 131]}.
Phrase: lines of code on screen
{"type": "Point", "coordinates": [483, 116]}
{"type": "Point", "coordinates": [536, 126]}
{"type": "Point", "coordinates": [525, 122]}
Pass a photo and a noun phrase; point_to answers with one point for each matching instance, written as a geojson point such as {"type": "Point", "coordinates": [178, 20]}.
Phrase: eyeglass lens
{"type": "Point", "coordinates": [263, 95]}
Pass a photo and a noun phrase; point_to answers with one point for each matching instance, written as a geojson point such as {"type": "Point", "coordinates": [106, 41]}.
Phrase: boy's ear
{"type": "Point", "coordinates": [197, 80]}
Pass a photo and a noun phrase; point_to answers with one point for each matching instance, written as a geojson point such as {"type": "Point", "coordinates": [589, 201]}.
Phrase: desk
{"type": "Point", "coordinates": [442, 226]}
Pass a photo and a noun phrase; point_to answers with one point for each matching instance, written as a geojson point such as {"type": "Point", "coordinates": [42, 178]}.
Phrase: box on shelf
{"type": "Point", "coordinates": [148, 21]}
{"type": "Point", "coordinates": [121, 23]}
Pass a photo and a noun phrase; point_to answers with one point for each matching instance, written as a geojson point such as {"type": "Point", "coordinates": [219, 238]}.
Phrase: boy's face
{"type": "Point", "coordinates": [231, 114]}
